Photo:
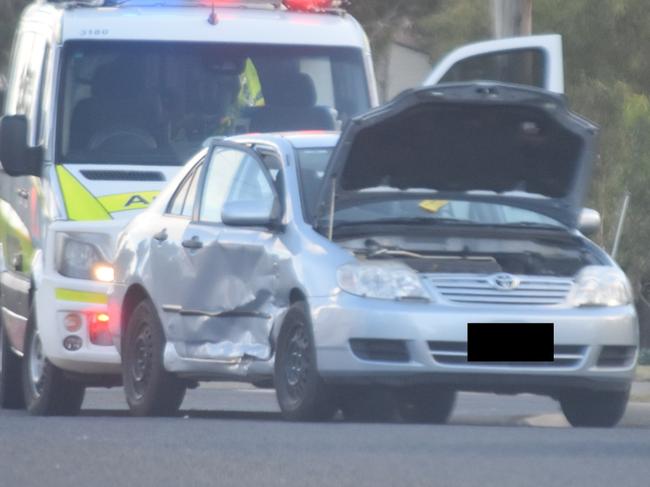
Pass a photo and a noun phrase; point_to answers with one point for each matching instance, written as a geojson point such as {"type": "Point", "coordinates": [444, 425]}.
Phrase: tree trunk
{"type": "Point", "coordinates": [512, 18]}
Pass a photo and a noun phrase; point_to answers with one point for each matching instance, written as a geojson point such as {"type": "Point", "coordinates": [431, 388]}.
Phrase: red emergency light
{"type": "Point", "coordinates": [310, 5]}
{"type": "Point", "coordinates": [295, 5]}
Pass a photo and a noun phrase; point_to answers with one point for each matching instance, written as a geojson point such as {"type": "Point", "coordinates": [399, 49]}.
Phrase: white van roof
{"type": "Point", "coordinates": [238, 23]}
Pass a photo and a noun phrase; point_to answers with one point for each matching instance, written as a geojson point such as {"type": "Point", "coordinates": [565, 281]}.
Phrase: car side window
{"type": "Point", "coordinates": [190, 199]}
{"type": "Point", "coordinates": [250, 184]}
{"type": "Point", "coordinates": [182, 203]}
{"type": "Point", "coordinates": [233, 175]}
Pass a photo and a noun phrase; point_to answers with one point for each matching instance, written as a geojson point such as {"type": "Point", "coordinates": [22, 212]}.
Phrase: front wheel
{"type": "Point", "coordinates": [368, 404]}
{"type": "Point", "coordinates": [47, 390]}
{"type": "Point", "coordinates": [150, 389]}
{"type": "Point", "coordinates": [11, 390]}
{"type": "Point", "coordinates": [432, 405]}
{"type": "Point", "coordinates": [604, 409]}
{"type": "Point", "coordinates": [302, 394]}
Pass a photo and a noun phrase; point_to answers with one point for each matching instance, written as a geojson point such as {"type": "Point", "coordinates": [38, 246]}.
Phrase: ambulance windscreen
{"type": "Point", "coordinates": [154, 103]}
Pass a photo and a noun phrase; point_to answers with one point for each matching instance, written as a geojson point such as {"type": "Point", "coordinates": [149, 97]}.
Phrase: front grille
{"type": "Point", "coordinates": [472, 289]}
{"type": "Point", "coordinates": [616, 356]}
{"type": "Point", "coordinates": [380, 350]}
{"type": "Point", "coordinates": [455, 354]}
{"type": "Point", "coordinates": [114, 175]}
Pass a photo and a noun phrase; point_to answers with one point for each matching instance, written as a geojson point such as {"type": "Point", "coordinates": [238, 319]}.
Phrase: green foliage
{"type": "Point", "coordinates": [453, 23]}
{"type": "Point", "coordinates": [383, 18]}
{"type": "Point", "coordinates": [607, 74]}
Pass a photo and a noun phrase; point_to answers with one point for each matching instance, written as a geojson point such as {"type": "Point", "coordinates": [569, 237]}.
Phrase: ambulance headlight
{"type": "Point", "coordinates": [79, 255]}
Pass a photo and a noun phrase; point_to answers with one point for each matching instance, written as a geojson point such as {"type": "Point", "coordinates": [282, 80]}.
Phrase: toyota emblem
{"type": "Point", "coordinates": [504, 282]}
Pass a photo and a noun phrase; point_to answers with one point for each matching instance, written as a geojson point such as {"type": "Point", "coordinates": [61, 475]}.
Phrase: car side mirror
{"type": "Point", "coordinates": [250, 214]}
{"type": "Point", "coordinates": [589, 222]}
{"type": "Point", "coordinates": [17, 158]}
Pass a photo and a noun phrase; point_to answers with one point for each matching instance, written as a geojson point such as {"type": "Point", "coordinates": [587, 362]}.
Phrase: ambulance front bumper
{"type": "Point", "coordinates": [62, 301]}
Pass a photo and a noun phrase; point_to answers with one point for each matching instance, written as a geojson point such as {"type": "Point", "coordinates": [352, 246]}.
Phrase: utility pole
{"type": "Point", "coordinates": [512, 18]}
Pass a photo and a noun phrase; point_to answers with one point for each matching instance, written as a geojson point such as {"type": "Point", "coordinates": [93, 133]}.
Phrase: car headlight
{"type": "Point", "coordinates": [84, 256]}
{"type": "Point", "coordinates": [601, 286]}
{"type": "Point", "coordinates": [381, 281]}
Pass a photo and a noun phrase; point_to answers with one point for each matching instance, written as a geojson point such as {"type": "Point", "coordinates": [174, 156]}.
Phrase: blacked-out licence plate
{"type": "Point", "coordinates": [510, 342]}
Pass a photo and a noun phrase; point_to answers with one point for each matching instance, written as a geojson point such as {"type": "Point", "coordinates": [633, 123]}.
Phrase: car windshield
{"type": "Point", "coordinates": [156, 103]}
{"type": "Point", "coordinates": [403, 206]}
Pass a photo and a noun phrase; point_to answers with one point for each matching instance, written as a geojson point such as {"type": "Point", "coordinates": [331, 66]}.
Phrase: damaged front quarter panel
{"type": "Point", "coordinates": [237, 290]}
{"type": "Point", "coordinates": [222, 304]}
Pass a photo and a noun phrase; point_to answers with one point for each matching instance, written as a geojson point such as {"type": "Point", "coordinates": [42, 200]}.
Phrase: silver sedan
{"type": "Point", "coordinates": [436, 245]}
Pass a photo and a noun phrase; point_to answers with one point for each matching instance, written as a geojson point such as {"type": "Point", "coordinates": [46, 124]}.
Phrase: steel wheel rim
{"type": "Point", "coordinates": [297, 364]}
{"type": "Point", "coordinates": [142, 358]}
{"type": "Point", "coordinates": [36, 364]}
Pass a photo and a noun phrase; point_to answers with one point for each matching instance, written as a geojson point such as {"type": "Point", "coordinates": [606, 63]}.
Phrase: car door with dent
{"type": "Point", "coordinates": [228, 308]}
{"type": "Point", "coordinates": [171, 270]}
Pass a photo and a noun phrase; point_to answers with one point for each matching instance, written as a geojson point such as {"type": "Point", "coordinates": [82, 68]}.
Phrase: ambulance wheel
{"type": "Point", "coordinates": [11, 389]}
{"type": "Point", "coordinates": [47, 390]}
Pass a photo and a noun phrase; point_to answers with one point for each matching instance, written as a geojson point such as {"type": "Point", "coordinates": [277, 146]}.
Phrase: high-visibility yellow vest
{"type": "Point", "coordinates": [250, 94]}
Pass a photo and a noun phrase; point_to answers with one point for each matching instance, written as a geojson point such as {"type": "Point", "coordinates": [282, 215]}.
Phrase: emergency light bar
{"type": "Point", "coordinates": [312, 5]}
{"type": "Point", "coordinates": [295, 5]}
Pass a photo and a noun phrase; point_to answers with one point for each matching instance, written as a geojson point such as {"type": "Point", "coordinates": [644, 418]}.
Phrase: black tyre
{"type": "Point", "coordinates": [604, 409]}
{"type": "Point", "coordinates": [47, 390]}
{"type": "Point", "coordinates": [11, 387]}
{"type": "Point", "coordinates": [368, 404]}
{"type": "Point", "coordinates": [432, 405]}
{"type": "Point", "coordinates": [150, 389]}
{"type": "Point", "coordinates": [301, 392]}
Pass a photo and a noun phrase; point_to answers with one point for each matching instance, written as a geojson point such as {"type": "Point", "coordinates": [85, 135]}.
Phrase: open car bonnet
{"type": "Point", "coordinates": [489, 142]}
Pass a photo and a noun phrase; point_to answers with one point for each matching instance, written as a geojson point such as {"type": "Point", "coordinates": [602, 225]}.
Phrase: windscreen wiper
{"type": "Point", "coordinates": [375, 249]}
{"type": "Point", "coordinates": [403, 221]}
{"type": "Point", "coordinates": [542, 226]}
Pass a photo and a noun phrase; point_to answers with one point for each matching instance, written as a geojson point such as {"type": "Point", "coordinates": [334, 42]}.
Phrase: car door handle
{"type": "Point", "coordinates": [194, 243]}
{"type": "Point", "coordinates": [161, 236]}
{"type": "Point", "coordinates": [22, 193]}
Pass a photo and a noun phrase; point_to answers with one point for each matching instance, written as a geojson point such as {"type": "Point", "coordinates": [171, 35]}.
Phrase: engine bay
{"type": "Point", "coordinates": [479, 255]}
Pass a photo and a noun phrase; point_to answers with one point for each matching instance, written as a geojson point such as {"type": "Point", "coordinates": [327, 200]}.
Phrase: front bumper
{"type": "Point", "coordinates": [422, 327]}
{"type": "Point", "coordinates": [56, 296]}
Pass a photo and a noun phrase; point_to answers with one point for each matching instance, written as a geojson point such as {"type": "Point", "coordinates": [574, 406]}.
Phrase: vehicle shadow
{"type": "Point", "coordinates": [270, 416]}
{"type": "Point", "coordinates": [190, 414]}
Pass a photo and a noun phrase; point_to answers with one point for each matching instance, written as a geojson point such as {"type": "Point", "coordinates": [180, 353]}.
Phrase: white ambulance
{"type": "Point", "coordinates": [106, 99]}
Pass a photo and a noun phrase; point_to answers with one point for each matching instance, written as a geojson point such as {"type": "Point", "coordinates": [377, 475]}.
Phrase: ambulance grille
{"type": "Point", "coordinates": [111, 175]}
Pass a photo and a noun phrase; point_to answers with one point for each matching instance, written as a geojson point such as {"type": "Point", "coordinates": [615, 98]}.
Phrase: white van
{"type": "Point", "coordinates": [107, 99]}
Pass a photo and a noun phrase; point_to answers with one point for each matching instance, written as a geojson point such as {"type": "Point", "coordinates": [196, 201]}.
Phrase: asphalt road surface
{"type": "Point", "coordinates": [232, 435]}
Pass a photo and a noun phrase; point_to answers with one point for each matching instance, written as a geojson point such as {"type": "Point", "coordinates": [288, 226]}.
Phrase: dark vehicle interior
{"type": "Point", "coordinates": [155, 103]}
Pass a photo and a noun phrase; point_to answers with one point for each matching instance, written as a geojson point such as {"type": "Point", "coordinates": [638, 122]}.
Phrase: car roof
{"type": "Point", "coordinates": [305, 139]}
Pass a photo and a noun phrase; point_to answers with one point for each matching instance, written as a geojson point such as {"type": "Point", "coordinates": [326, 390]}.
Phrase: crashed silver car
{"type": "Point", "coordinates": [435, 246]}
